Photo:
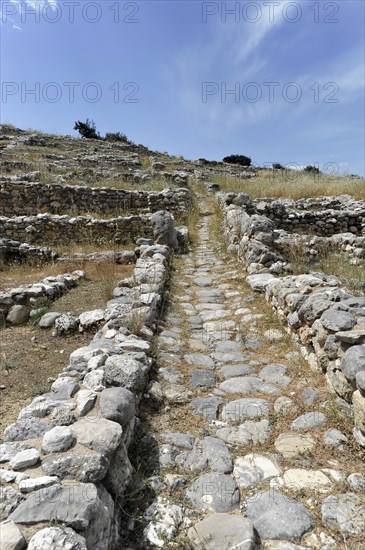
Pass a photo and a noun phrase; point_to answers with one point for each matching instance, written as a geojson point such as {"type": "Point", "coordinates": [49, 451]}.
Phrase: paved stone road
{"type": "Point", "coordinates": [256, 460]}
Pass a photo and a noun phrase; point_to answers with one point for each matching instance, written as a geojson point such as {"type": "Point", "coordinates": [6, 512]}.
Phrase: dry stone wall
{"type": "Point", "coordinates": [326, 320]}
{"type": "Point", "coordinates": [16, 252]}
{"type": "Point", "coordinates": [59, 230]}
{"type": "Point", "coordinates": [22, 198]}
{"type": "Point", "coordinates": [16, 303]}
{"type": "Point", "coordinates": [66, 456]}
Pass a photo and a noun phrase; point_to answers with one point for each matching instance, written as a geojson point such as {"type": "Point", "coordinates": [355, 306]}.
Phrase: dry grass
{"type": "Point", "coordinates": [292, 184]}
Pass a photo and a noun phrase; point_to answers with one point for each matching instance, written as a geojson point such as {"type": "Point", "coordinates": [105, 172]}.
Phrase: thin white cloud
{"type": "Point", "coordinates": [16, 27]}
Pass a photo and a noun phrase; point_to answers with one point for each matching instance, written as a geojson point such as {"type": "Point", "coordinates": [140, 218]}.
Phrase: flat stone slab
{"type": "Point", "coordinates": [337, 320]}
{"type": "Point", "coordinates": [250, 432]}
{"type": "Point", "coordinates": [207, 407]}
{"type": "Point", "coordinates": [185, 441]}
{"type": "Point", "coordinates": [215, 492]}
{"type": "Point", "coordinates": [218, 455]}
{"type": "Point", "coordinates": [245, 409]}
{"type": "Point", "coordinates": [57, 538]}
{"type": "Point", "coordinates": [222, 531]}
{"type": "Point", "coordinates": [345, 512]}
{"type": "Point", "coordinates": [292, 445]}
{"type": "Point", "coordinates": [99, 434]}
{"type": "Point", "coordinates": [199, 360]}
{"type": "Point", "coordinates": [297, 479]}
{"type": "Point", "coordinates": [11, 537]}
{"type": "Point", "coordinates": [258, 282]}
{"type": "Point", "coordinates": [202, 379]}
{"type": "Point", "coordinates": [247, 385]}
{"type": "Point", "coordinates": [232, 371]}
{"type": "Point", "coordinates": [203, 281]}
{"type": "Point", "coordinates": [309, 420]}
{"type": "Point", "coordinates": [278, 517]}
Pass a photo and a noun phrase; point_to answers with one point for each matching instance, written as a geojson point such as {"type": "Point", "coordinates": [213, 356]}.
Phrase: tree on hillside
{"type": "Point", "coordinates": [242, 160]}
{"type": "Point", "coordinates": [87, 129]}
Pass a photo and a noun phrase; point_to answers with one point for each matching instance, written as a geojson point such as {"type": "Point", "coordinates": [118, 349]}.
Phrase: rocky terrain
{"type": "Point", "coordinates": [210, 389]}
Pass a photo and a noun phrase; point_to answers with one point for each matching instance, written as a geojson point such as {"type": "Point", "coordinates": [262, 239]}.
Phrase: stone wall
{"type": "Point", "coordinates": [308, 216]}
{"type": "Point", "coordinates": [66, 457]}
{"type": "Point", "coordinates": [16, 252]}
{"type": "Point", "coordinates": [59, 230]}
{"type": "Point", "coordinates": [17, 303]}
{"type": "Point", "coordinates": [327, 321]}
{"type": "Point", "coordinates": [22, 198]}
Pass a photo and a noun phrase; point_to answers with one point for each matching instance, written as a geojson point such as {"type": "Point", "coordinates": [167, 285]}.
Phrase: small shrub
{"type": "Point", "coordinates": [87, 129]}
{"type": "Point", "coordinates": [116, 136]}
{"type": "Point", "coordinates": [242, 160]}
{"type": "Point", "coordinates": [278, 166]}
{"type": "Point", "coordinates": [312, 169]}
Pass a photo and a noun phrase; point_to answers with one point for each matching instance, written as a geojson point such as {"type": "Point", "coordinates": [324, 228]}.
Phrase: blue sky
{"type": "Point", "coordinates": [161, 72]}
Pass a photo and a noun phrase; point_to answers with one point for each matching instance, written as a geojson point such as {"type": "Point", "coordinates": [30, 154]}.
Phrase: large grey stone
{"type": "Point", "coordinates": [99, 434]}
{"type": "Point", "coordinates": [245, 408]}
{"type": "Point", "coordinates": [185, 441]}
{"type": "Point", "coordinates": [218, 455]}
{"type": "Point", "coordinates": [18, 315]}
{"type": "Point", "coordinates": [24, 459]}
{"type": "Point", "coordinates": [231, 371]}
{"type": "Point", "coordinates": [336, 320]}
{"type": "Point", "coordinates": [90, 318]}
{"type": "Point", "coordinates": [163, 228]}
{"type": "Point", "coordinates": [202, 379]}
{"type": "Point", "coordinates": [309, 420]}
{"type": "Point", "coordinates": [57, 440]}
{"type": "Point", "coordinates": [199, 360]}
{"type": "Point", "coordinates": [35, 483]}
{"type": "Point", "coordinates": [125, 371]}
{"type": "Point", "coordinates": [9, 500]}
{"type": "Point", "coordinates": [353, 362]}
{"type": "Point", "coordinates": [216, 492]}
{"type": "Point", "coordinates": [223, 531]}
{"type": "Point", "coordinates": [118, 405]}
{"type": "Point", "coordinates": [247, 385]}
{"type": "Point", "coordinates": [29, 428]}
{"type": "Point", "coordinates": [191, 461]}
{"type": "Point", "coordinates": [207, 407]}
{"type": "Point", "coordinates": [345, 512]}
{"type": "Point", "coordinates": [48, 319]}
{"type": "Point", "coordinates": [80, 506]}
{"type": "Point", "coordinates": [86, 468]}
{"type": "Point", "coordinates": [57, 538]}
{"type": "Point", "coordinates": [11, 537]}
{"type": "Point", "coordinates": [278, 517]}
{"type": "Point", "coordinates": [258, 282]}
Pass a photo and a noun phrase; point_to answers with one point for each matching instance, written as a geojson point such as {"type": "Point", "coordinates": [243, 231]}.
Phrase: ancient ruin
{"type": "Point", "coordinates": [206, 386]}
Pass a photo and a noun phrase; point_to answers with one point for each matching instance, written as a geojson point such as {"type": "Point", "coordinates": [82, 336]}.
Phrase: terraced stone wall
{"type": "Point", "coordinates": [66, 457]}
{"type": "Point", "coordinates": [326, 320]}
{"type": "Point", "coordinates": [54, 230]}
{"type": "Point", "coordinates": [22, 198]}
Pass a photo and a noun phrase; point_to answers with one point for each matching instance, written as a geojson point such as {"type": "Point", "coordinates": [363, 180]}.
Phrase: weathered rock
{"type": "Point", "coordinates": [86, 468]}
{"type": "Point", "coordinates": [309, 420]}
{"type": "Point", "coordinates": [278, 517]}
{"type": "Point", "coordinates": [185, 441]}
{"type": "Point", "coordinates": [163, 521]}
{"type": "Point", "coordinates": [11, 537]}
{"type": "Point", "coordinates": [57, 538]}
{"type": "Point", "coordinates": [29, 428]}
{"type": "Point", "coordinates": [336, 320]}
{"type": "Point", "coordinates": [95, 380]}
{"type": "Point", "coordinates": [218, 455]}
{"type": "Point", "coordinates": [245, 408]}
{"type": "Point", "coordinates": [98, 434]}
{"type": "Point", "coordinates": [9, 500]}
{"type": "Point", "coordinates": [24, 459]}
{"type": "Point", "coordinates": [345, 512]}
{"type": "Point", "coordinates": [91, 318]}
{"type": "Point", "coordinates": [35, 483]}
{"type": "Point", "coordinates": [58, 439]}
{"type": "Point", "coordinates": [79, 506]}
{"type": "Point", "coordinates": [125, 371]}
{"type": "Point", "coordinates": [216, 492]}
{"type": "Point", "coordinates": [48, 319]}
{"type": "Point", "coordinates": [292, 445]}
{"type": "Point", "coordinates": [353, 362]}
{"type": "Point", "coordinates": [85, 401]}
{"type": "Point", "coordinates": [223, 531]}
{"type": "Point", "coordinates": [18, 315]}
{"type": "Point", "coordinates": [118, 405]}
{"type": "Point", "coordinates": [207, 407]}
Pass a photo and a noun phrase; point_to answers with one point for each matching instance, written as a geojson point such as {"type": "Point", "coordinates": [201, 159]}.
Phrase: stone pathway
{"type": "Point", "coordinates": [249, 450]}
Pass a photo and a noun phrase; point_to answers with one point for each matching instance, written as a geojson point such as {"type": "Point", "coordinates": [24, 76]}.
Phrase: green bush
{"type": "Point", "coordinates": [242, 160]}
{"type": "Point", "coordinates": [87, 129]}
{"type": "Point", "coordinates": [116, 136]}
